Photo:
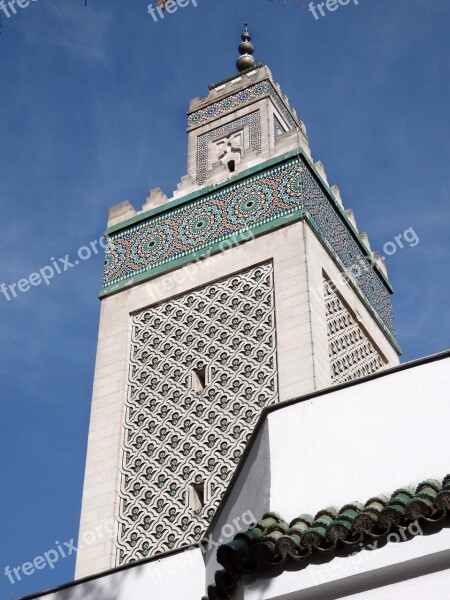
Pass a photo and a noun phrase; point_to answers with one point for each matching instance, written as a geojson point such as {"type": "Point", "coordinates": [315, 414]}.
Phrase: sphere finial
{"type": "Point", "coordinates": [246, 49]}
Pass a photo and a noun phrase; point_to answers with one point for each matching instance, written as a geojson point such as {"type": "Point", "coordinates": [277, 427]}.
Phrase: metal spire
{"type": "Point", "coordinates": [246, 60]}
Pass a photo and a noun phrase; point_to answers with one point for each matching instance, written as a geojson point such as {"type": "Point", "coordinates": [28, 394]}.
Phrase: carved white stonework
{"type": "Point", "coordinates": [351, 353]}
{"type": "Point", "coordinates": [201, 368]}
{"type": "Point", "coordinates": [229, 148]}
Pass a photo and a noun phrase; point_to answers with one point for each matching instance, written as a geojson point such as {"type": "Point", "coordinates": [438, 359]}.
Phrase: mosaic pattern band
{"type": "Point", "coordinates": [238, 100]}
{"type": "Point", "coordinates": [176, 435]}
{"type": "Point", "coordinates": [351, 353]}
{"type": "Point", "coordinates": [251, 120]}
{"type": "Point", "coordinates": [267, 197]}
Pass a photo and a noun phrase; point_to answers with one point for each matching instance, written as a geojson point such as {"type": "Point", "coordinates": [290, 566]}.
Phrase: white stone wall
{"type": "Point", "coordinates": [285, 248]}
{"type": "Point", "coordinates": [299, 260]}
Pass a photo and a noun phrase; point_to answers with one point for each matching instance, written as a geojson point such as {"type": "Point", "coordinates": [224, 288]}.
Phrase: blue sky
{"type": "Point", "coordinates": [93, 112]}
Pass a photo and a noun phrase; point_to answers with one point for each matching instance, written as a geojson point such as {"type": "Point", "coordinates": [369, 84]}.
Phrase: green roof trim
{"type": "Point", "coordinates": [273, 542]}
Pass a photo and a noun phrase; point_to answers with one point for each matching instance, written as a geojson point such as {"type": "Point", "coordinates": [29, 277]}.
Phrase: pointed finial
{"type": "Point", "coordinates": [246, 60]}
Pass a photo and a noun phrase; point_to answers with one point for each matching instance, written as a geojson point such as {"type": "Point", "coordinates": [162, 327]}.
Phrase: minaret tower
{"type": "Point", "coordinates": [250, 285]}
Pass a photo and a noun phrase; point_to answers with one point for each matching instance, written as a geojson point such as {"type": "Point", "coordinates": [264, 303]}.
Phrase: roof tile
{"type": "Point", "coordinates": [272, 541]}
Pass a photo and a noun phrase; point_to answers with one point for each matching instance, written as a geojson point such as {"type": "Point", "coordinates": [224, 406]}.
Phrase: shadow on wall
{"type": "Point", "coordinates": [112, 587]}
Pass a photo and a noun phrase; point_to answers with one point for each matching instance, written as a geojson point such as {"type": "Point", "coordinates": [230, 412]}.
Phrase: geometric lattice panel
{"type": "Point", "coordinates": [176, 435]}
{"type": "Point", "coordinates": [351, 354]}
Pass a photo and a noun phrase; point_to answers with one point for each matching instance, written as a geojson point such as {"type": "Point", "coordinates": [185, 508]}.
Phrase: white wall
{"type": "Point", "coordinates": [360, 441]}
{"type": "Point", "coordinates": [413, 570]}
{"type": "Point", "coordinates": [177, 577]}
{"type": "Point", "coordinates": [343, 445]}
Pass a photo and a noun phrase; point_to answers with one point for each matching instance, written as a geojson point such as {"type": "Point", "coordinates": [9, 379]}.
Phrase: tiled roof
{"type": "Point", "coordinates": [273, 541]}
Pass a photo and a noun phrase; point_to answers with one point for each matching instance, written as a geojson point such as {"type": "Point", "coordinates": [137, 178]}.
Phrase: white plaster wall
{"type": "Point", "coordinates": [413, 570]}
{"type": "Point", "coordinates": [360, 441]}
{"type": "Point", "coordinates": [434, 585]}
{"type": "Point", "coordinates": [177, 577]}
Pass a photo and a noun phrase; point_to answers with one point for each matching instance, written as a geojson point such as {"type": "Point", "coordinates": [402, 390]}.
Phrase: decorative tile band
{"type": "Point", "coordinates": [239, 99]}
{"type": "Point", "coordinates": [267, 197]}
{"type": "Point", "coordinates": [252, 120]}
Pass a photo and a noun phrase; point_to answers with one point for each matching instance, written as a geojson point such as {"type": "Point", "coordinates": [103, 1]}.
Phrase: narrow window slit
{"type": "Point", "coordinates": [197, 496]}
{"type": "Point", "coordinates": [201, 374]}
{"type": "Point", "coordinates": [200, 379]}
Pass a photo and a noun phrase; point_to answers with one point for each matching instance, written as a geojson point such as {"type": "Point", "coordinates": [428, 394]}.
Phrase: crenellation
{"type": "Point", "coordinates": [290, 140]}
{"type": "Point", "coordinates": [321, 170]}
{"type": "Point", "coordinates": [228, 87]}
{"type": "Point", "coordinates": [351, 217]}
{"type": "Point", "coordinates": [195, 103]}
{"type": "Point", "coordinates": [156, 198]}
{"type": "Point", "coordinates": [337, 194]}
{"type": "Point", "coordinates": [381, 263]}
{"type": "Point", "coordinates": [121, 212]}
{"type": "Point", "coordinates": [186, 185]}
{"type": "Point", "coordinates": [302, 127]}
{"type": "Point", "coordinates": [365, 239]}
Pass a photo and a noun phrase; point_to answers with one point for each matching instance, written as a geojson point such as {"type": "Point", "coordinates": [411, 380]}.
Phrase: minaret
{"type": "Point", "coordinates": [249, 286]}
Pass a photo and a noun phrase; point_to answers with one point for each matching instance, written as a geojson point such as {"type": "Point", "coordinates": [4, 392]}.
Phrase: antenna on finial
{"type": "Point", "coordinates": [246, 49]}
